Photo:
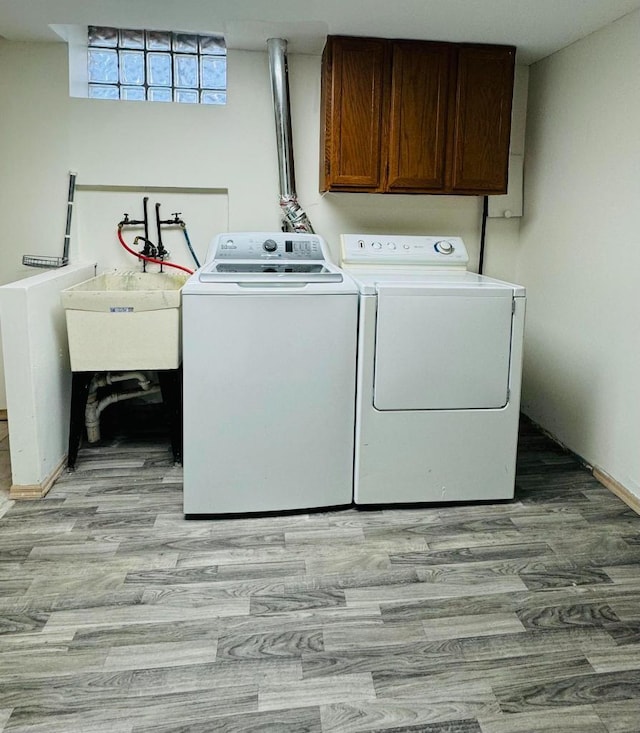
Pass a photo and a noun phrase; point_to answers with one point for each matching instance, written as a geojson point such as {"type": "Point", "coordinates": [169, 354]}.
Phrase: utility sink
{"type": "Point", "coordinates": [122, 321]}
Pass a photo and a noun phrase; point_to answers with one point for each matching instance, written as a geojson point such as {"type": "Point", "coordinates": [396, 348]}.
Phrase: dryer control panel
{"type": "Point", "coordinates": [380, 249]}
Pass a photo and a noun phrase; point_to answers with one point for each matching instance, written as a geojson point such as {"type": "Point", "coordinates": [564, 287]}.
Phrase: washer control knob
{"type": "Point", "coordinates": [444, 247]}
{"type": "Point", "coordinates": [391, 245]}
{"type": "Point", "coordinates": [377, 245]}
{"type": "Point", "coordinates": [269, 245]}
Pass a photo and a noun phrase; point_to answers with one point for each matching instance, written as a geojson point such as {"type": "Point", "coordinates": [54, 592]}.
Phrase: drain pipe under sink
{"type": "Point", "coordinates": [95, 407]}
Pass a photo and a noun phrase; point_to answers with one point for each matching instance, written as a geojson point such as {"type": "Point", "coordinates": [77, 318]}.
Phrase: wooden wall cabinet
{"type": "Point", "coordinates": [415, 116]}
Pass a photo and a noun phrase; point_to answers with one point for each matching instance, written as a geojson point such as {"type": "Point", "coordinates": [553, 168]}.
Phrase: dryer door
{"type": "Point", "coordinates": [442, 348]}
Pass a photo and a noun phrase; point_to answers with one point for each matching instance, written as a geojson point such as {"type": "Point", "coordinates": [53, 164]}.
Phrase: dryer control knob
{"type": "Point", "coordinates": [269, 245]}
{"type": "Point", "coordinates": [377, 245]}
{"type": "Point", "coordinates": [444, 248]}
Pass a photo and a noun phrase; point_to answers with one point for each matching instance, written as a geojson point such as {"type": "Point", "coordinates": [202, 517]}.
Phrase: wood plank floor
{"type": "Point", "coordinates": [5, 468]}
{"type": "Point", "coordinates": [117, 615]}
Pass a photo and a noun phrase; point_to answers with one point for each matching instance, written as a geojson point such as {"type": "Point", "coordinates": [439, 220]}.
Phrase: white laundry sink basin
{"type": "Point", "coordinates": [119, 321]}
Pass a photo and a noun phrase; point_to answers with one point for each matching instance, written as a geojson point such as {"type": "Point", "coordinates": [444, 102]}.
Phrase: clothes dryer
{"type": "Point", "coordinates": [439, 373]}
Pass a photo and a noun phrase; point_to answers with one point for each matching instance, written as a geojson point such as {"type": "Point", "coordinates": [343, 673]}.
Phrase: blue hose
{"type": "Point", "coordinates": [193, 254]}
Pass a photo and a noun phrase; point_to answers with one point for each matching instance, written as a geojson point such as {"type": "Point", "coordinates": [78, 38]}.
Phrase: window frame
{"type": "Point", "coordinates": [174, 46]}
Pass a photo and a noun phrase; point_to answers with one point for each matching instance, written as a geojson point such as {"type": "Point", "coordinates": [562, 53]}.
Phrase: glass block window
{"type": "Point", "coordinates": [157, 66]}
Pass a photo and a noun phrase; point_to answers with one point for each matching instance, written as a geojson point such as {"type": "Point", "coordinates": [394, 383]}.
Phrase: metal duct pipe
{"type": "Point", "coordinates": [294, 218]}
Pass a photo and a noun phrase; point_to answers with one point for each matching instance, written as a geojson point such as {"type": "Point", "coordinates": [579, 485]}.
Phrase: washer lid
{"type": "Point", "coordinates": [330, 280]}
{"type": "Point", "coordinates": [268, 272]}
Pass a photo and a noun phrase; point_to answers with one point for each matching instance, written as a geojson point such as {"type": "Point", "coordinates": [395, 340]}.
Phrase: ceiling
{"type": "Point", "coordinates": [537, 28]}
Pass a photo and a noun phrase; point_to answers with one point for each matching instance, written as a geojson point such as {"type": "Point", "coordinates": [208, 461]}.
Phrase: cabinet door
{"type": "Point", "coordinates": [354, 72]}
{"type": "Point", "coordinates": [418, 116]}
{"type": "Point", "coordinates": [480, 142]}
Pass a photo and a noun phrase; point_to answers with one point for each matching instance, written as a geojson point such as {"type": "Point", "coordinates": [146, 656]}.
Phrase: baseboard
{"type": "Point", "coordinates": [37, 491]}
{"type": "Point", "coordinates": [615, 487]}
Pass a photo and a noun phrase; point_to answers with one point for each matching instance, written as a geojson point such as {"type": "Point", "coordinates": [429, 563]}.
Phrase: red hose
{"type": "Point", "coordinates": [150, 259]}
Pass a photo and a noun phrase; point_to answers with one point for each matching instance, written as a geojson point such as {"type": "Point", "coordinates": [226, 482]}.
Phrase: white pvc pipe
{"type": "Point", "coordinates": [95, 407]}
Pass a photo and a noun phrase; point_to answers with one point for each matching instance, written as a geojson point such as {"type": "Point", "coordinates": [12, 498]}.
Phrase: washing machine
{"type": "Point", "coordinates": [269, 362]}
{"type": "Point", "coordinates": [438, 375]}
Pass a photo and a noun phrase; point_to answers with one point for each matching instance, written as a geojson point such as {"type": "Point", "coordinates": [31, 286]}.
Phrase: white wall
{"type": "Point", "coordinates": [38, 375]}
{"type": "Point", "coordinates": [188, 150]}
{"type": "Point", "coordinates": [577, 250]}
{"type": "Point", "coordinates": [34, 151]}
{"type": "Point", "coordinates": [503, 234]}
{"type": "Point", "coordinates": [216, 165]}
{"type": "Point", "coordinates": [580, 249]}
{"type": "Point", "coordinates": [31, 150]}
{"type": "Point", "coordinates": [232, 149]}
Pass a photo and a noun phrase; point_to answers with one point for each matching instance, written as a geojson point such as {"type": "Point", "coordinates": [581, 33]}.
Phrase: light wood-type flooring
{"type": "Point", "coordinates": [118, 616]}
{"type": "Point", "coordinates": [5, 467]}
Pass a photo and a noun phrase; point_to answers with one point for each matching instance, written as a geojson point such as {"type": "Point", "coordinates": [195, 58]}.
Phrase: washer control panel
{"type": "Point", "coordinates": [266, 246]}
{"type": "Point", "coordinates": [377, 249]}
